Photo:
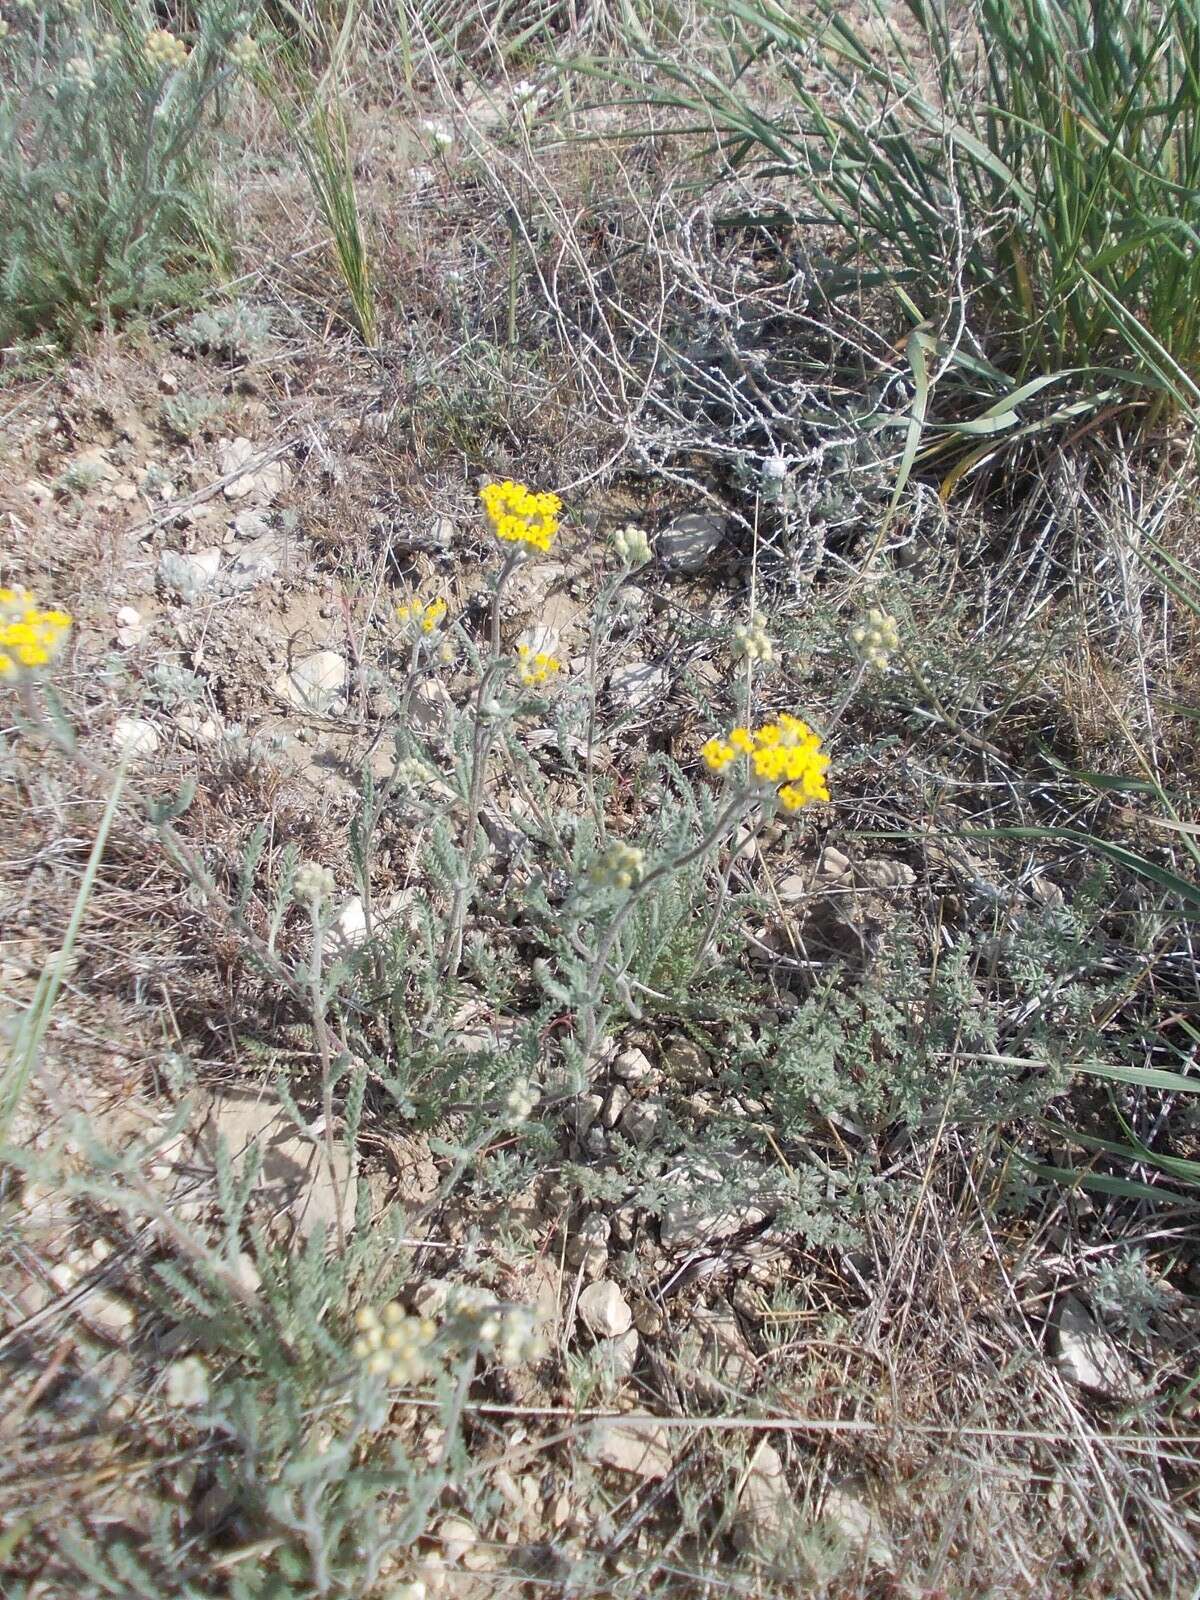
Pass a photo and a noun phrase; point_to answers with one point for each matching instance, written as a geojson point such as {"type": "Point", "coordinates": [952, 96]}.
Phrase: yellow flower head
{"type": "Point", "coordinates": [518, 516]}
{"type": "Point", "coordinates": [535, 666]}
{"type": "Point", "coordinates": [785, 752]}
{"type": "Point", "coordinates": [422, 616]}
{"type": "Point", "coordinates": [30, 638]}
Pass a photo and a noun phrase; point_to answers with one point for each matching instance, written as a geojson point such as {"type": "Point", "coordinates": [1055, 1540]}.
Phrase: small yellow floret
{"type": "Point", "coordinates": [535, 667]}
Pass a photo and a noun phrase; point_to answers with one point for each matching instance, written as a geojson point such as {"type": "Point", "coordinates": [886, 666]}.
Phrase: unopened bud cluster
{"type": "Point", "coordinates": [410, 772]}
{"type": "Point", "coordinates": [876, 639]}
{"type": "Point", "coordinates": [242, 52]}
{"type": "Point", "coordinates": [632, 546]}
{"type": "Point", "coordinates": [392, 1345]}
{"type": "Point", "coordinates": [164, 51]}
{"type": "Point", "coordinates": [313, 884]}
{"type": "Point", "coordinates": [79, 74]}
{"type": "Point", "coordinates": [520, 1101]}
{"type": "Point", "coordinates": [620, 867]}
{"type": "Point", "coordinates": [751, 640]}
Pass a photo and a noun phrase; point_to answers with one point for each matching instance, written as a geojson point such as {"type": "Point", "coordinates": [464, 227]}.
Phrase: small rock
{"type": "Point", "coordinates": [833, 864]}
{"type": "Point", "coordinates": [294, 1174]}
{"type": "Point", "coordinates": [632, 1066]}
{"type": "Point", "coordinates": [882, 874]}
{"type": "Point", "coordinates": [604, 1310]}
{"type": "Point", "coordinates": [131, 630]}
{"type": "Point", "coordinates": [1044, 891]}
{"type": "Point", "coordinates": [197, 729]}
{"type": "Point", "coordinates": [637, 683]}
{"type": "Point", "coordinates": [458, 1537]}
{"type": "Point", "coordinates": [764, 1510]}
{"type": "Point", "coordinates": [618, 1099]}
{"type": "Point", "coordinates": [348, 929]}
{"type": "Point", "coordinates": [430, 1299]}
{"type": "Point", "coordinates": [686, 544]}
{"type": "Point", "coordinates": [588, 1246]}
{"type": "Point", "coordinates": [696, 1217]}
{"type": "Point", "coordinates": [258, 561]}
{"type": "Point", "coordinates": [168, 383]}
{"type": "Point", "coordinates": [587, 1108]}
{"type": "Point", "coordinates": [616, 1358]}
{"type": "Point", "coordinates": [251, 523]}
{"type": "Point", "coordinates": [317, 683]}
{"type": "Point", "coordinates": [683, 1059]}
{"type": "Point", "coordinates": [643, 1120]}
{"type": "Point", "coordinates": [264, 481]}
{"type": "Point", "coordinates": [1087, 1357]}
{"type": "Point", "coordinates": [642, 1450]}
{"type": "Point", "coordinates": [855, 1524]}
{"type": "Point", "coordinates": [793, 888]}
{"type": "Point", "coordinates": [712, 1359]}
{"type": "Point", "coordinates": [134, 737]}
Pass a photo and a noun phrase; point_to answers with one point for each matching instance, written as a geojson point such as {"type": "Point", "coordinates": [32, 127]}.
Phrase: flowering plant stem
{"type": "Point", "coordinates": [35, 1021]}
{"type": "Point", "coordinates": [729, 818]}
{"type": "Point", "coordinates": [483, 735]}
{"type": "Point", "coordinates": [321, 1033]}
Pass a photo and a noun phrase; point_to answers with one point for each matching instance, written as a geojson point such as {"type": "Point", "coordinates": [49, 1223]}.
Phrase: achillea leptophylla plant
{"type": "Point", "coordinates": [523, 521]}
{"type": "Point", "coordinates": [421, 616]}
{"type": "Point", "coordinates": [520, 517]}
{"type": "Point", "coordinates": [785, 752]}
{"type": "Point", "coordinates": [243, 53]}
{"type": "Point", "coordinates": [392, 1345]}
{"type": "Point", "coordinates": [752, 642]}
{"type": "Point", "coordinates": [632, 546]}
{"type": "Point", "coordinates": [535, 666]}
{"type": "Point", "coordinates": [876, 639]}
{"type": "Point", "coordinates": [30, 638]}
{"type": "Point", "coordinates": [163, 51]}
{"type": "Point", "coordinates": [622, 866]}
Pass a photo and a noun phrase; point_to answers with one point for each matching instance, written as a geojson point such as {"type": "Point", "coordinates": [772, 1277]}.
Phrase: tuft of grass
{"type": "Point", "coordinates": [106, 209]}
{"type": "Point", "coordinates": [1023, 179]}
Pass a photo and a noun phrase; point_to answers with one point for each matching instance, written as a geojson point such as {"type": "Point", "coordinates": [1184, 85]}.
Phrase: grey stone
{"type": "Point", "coordinates": [604, 1310]}
{"type": "Point", "coordinates": [764, 1509]}
{"type": "Point", "coordinates": [700, 1216]}
{"type": "Point", "coordinates": [317, 683]}
{"type": "Point", "coordinates": [643, 1450]}
{"type": "Point", "coordinates": [637, 683]}
{"type": "Point", "coordinates": [632, 1066]}
{"type": "Point", "coordinates": [294, 1177]}
{"type": "Point", "coordinates": [686, 544]}
{"type": "Point", "coordinates": [642, 1120]}
{"type": "Point", "coordinates": [1087, 1357]}
{"type": "Point", "coordinates": [856, 1525]}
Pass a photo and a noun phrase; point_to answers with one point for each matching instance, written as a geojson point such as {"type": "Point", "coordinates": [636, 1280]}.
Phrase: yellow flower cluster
{"type": "Point", "coordinates": [425, 615]}
{"type": "Point", "coordinates": [535, 667]}
{"type": "Point", "coordinates": [393, 1346]}
{"type": "Point", "coordinates": [785, 752]}
{"type": "Point", "coordinates": [518, 516]}
{"type": "Point", "coordinates": [164, 51]}
{"type": "Point", "coordinates": [29, 637]}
